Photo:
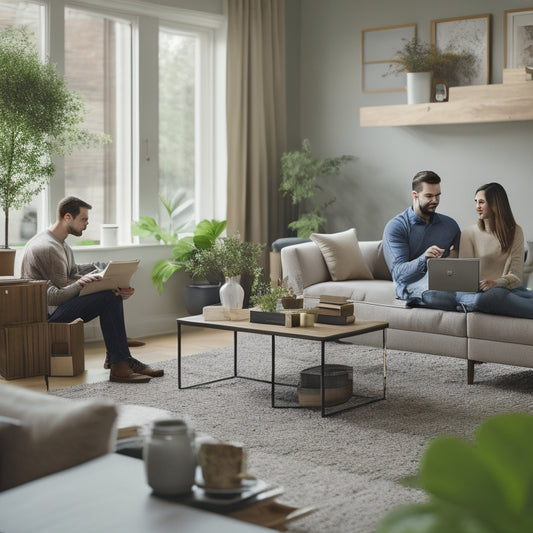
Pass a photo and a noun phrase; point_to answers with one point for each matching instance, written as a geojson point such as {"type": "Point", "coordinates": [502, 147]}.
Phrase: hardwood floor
{"type": "Point", "coordinates": [160, 348]}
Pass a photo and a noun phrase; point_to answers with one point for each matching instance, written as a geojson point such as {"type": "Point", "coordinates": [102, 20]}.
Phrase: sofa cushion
{"type": "Point", "coordinates": [500, 329]}
{"type": "Point", "coordinates": [54, 434]}
{"type": "Point", "coordinates": [342, 255]}
{"type": "Point", "coordinates": [415, 320]}
{"type": "Point", "coordinates": [375, 259]}
{"type": "Point", "coordinates": [377, 291]}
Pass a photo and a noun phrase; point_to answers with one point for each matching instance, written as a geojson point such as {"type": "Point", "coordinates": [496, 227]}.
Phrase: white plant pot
{"type": "Point", "coordinates": [418, 87]}
{"type": "Point", "coordinates": [109, 235]}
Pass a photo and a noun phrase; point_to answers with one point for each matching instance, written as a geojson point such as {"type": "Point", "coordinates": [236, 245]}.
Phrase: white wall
{"type": "Point", "coordinates": [376, 186]}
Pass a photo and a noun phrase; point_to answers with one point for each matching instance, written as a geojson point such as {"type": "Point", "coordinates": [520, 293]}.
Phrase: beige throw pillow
{"type": "Point", "coordinates": [342, 255]}
{"type": "Point", "coordinates": [53, 434]}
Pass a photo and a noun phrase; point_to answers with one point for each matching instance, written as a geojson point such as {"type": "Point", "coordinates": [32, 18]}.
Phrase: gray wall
{"type": "Point", "coordinates": [324, 90]}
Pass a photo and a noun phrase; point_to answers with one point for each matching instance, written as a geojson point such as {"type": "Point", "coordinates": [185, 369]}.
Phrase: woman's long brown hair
{"type": "Point", "coordinates": [503, 219]}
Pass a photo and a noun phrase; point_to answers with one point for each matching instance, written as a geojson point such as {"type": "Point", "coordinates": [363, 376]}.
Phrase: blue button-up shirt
{"type": "Point", "coordinates": [405, 239]}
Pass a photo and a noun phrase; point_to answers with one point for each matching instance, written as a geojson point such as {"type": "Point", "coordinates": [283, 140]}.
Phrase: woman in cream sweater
{"type": "Point", "coordinates": [498, 241]}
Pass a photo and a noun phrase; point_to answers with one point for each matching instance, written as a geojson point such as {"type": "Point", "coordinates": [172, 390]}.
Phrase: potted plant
{"type": "Point", "coordinates": [39, 119]}
{"type": "Point", "coordinates": [179, 210]}
{"type": "Point", "coordinates": [424, 63]}
{"type": "Point", "coordinates": [415, 59]}
{"type": "Point", "coordinates": [234, 262]}
{"type": "Point", "coordinates": [300, 173]}
{"type": "Point", "coordinates": [267, 300]}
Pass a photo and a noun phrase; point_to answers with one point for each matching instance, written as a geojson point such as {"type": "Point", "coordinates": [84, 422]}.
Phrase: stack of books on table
{"type": "Point", "coordinates": [335, 310]}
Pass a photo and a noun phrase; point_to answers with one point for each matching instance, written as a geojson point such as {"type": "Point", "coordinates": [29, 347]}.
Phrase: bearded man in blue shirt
{"type": "Point", "coordinates": [418, 234]}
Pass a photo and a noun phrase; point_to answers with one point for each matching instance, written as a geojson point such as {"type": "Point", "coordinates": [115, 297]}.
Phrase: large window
{"type": "Point", "coordinates": [177, 92]}
{"type": "Point", "coordinates": [147, 73]}
{"type": "Point", "coordinates": [98, 65]}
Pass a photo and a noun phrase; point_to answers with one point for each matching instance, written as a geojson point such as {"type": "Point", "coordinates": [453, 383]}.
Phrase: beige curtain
{"type": "Point", "coordinates": [256, 120]}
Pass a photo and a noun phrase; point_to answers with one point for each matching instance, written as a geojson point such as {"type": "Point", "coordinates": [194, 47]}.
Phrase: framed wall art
{"type": "Point", "coordinates": [518, 38]}
{"type": "Point", "coordinates": [378, 48]}
{"type": "Point", "coordinates": [469, 34]}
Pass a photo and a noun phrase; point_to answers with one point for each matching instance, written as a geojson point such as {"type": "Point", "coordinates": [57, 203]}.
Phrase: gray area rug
{"type": "Point", "coordinates": [348, 466]}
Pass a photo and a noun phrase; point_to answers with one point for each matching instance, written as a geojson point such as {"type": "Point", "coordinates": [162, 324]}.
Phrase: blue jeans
{"type": "Point", "coordinates": [415, 289]}
{"type": "Point", "coordinates": [517, 303]}
{"type": "Point", "coordinates": [500, 301]}
{"type": "Point", "coordinates": [110, 309]}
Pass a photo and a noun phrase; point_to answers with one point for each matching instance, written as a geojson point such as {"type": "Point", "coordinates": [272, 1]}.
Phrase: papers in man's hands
{"type": "Point", "coordinates": [117, 275]}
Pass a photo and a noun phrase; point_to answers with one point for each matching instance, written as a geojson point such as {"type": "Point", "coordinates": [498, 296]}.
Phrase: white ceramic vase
{"type": "Point", "coordinates": [418, 87]}
{"type": "Point", "coordinates": [231, 293]}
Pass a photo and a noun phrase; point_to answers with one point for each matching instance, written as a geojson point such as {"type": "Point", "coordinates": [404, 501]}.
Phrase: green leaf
{"type": "Point", "coordinates": [504, 443]}
{"type": "Point", "coordinates": [183, 250]}
{"type": "Point", "coordinates": [207, 232]}
{"type": "Point", "coordinates": [162, 271]}
{"type": "Point", "coordinates": [453, 471]}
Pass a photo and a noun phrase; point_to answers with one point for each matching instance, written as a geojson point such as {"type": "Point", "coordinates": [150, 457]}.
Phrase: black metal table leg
{"type": "Point", "coordinates": [273, 389]}
{"type": "Point", "coordinates": [179, 355]}
{"type": "Point", "coordinates": [235, 356]}
{"type": "Point", "coordinates": [323, 378]}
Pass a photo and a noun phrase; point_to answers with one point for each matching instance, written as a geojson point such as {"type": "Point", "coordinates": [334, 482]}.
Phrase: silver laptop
{"type": "Point", "coordinates": [453, 274]}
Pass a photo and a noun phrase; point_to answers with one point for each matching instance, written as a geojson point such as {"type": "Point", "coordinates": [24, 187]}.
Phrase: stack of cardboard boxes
{"type": "Point", "coordinates": [29, 346]}
{"type": "Point", "coordinates": [24, 342]}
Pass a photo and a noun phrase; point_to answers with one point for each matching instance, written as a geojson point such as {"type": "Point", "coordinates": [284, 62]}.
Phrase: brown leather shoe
{"type": "Point", "coordinates": [122, 373]}
{"type": "Point", "coordinates": [142, 368]}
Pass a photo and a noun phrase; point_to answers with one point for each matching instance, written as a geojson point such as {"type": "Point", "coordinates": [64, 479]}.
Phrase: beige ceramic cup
{"type": "Point", "coordinates": [223, 465]}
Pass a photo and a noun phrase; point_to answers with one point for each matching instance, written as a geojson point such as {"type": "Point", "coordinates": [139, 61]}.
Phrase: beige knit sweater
{"type": "Point", "coordinates": [506, 269]}
{"type": "Point", "coordinates": [48, 258]}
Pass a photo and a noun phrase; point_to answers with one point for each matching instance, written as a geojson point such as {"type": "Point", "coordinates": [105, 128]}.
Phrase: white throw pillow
{"type": "Point", "coordinates": [342, 255]}
{"type": "Point", "coordinates": [54, 434]}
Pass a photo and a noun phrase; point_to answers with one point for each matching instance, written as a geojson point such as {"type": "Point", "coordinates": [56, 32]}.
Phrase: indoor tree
{"type": "Point", "coordinates": [40, 117]}
{"type": "Point", "coordinates": [300, 175]}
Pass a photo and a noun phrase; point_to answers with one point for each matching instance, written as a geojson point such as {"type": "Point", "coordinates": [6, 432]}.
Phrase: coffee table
{"type": "Point", "coordinates": [322, 333]}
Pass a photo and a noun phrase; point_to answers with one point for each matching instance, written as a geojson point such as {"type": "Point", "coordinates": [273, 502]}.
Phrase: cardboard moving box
{"type": "Point", "coordinates": [67, 356]}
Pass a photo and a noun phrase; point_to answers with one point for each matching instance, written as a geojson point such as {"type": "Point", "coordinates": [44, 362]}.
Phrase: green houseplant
{"type": "Point", "coordinates": [423, 63]}
{"type": "Point", "coordinates": [480, 487]}
{"type": "Point", "coordinates": [301, 173]}
{"type": "Point", "coordinates": [39, 118]}
{"type": "Point", "coordinates": [179, 211]}
{"type": "Point", "coordinates": [185, 250]}
{"type": "Point", "coordinates": [230, 261]}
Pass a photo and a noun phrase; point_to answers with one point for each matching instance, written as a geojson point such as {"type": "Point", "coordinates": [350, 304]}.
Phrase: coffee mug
{"type": "Point", "coordinates": [223, 465]}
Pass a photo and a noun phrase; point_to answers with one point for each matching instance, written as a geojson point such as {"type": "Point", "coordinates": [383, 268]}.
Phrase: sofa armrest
{"type": "Point", "coordinates": [303, 265]}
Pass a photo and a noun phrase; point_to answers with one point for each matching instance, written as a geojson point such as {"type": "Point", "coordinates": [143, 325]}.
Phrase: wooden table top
{"type": "Point", "coordinates": [318, 332]}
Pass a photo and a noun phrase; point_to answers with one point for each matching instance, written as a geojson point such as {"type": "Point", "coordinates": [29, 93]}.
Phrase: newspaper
{"type": "Point", "coordinates": [116, 275]}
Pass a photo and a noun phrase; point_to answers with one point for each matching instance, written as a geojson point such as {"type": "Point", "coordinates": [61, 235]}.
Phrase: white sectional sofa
{"type": "Point", "coordinates": [470, 336]}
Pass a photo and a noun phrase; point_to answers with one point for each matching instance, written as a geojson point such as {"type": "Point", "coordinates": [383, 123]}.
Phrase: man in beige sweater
{"type": "Point", "coordinates": [47, 256]}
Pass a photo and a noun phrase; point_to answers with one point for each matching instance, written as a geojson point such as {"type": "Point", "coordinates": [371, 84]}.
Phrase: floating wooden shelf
{"type": "Point", "coordinates": [504, 102]}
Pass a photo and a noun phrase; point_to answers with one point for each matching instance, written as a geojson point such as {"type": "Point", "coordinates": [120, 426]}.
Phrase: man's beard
{"type": "Point", "coordinates": [425, 210]}
{"type": "Point", "coordinates": [76, 233]}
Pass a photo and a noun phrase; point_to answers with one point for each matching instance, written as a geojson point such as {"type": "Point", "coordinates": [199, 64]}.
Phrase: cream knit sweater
{"type": "Point", "coordinates": [48, 258]}
{"type": "Point", "coordinates": [506, 269]}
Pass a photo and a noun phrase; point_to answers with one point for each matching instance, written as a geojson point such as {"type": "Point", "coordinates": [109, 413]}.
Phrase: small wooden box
{"type": "Point", "coordinates": [22, 303]}
{"type": "Point", "coordinates": [217, 312]}
{"type": "Point", "coordinates": [24, 351]}
{"type": "Point", "coordinates": [67, 355]}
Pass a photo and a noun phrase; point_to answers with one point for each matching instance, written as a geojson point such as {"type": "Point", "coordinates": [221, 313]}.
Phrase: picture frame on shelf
{"type": "Point", "coordinates": [518, 38]}
{"type": "Point", "coordinates": [378, 48]}
{"type": "Point", "coordinates": [470, 34]}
